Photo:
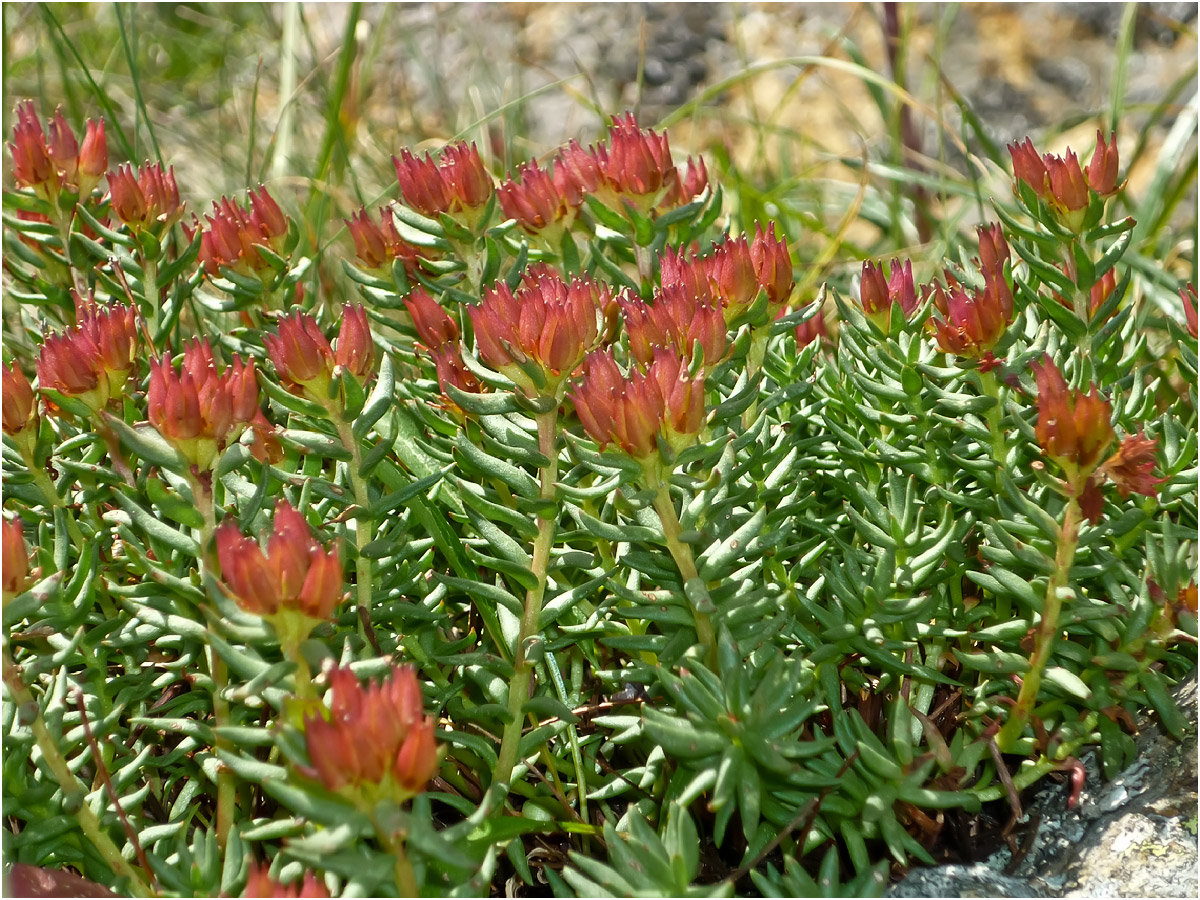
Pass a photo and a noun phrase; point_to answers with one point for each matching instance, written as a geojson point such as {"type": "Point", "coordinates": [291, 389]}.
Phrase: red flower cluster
{"type": "Point", "coordinates": [91, 361]}
{"type": "Point", "coordinates": [200, 410]}
{"type": "Point", "coordinates": [147, 200]}
{"type": "Point", "coordinates": [233, 233]}
{"type": "Point", "coordinates": [679, 319]}
{"type": "Point", "coordinates": [539, 198]}
{"type": "Point", "coordinates": [1075, 430]}
{"type": "Point", "coordinates": [634, 410]}
{"type": "Point", "coordinates": [877, 293]}
{"type": "Point", "coordinates": [376, 743]}
{"type": "Point", "coordinates": [305, 360]}
{"type": "Point", "coordinates": [259, 883]}
{"type": "Point", "coordinates": [458, 183]}
{"type": "Point", "coordinates": [54, 162]}
{"type": "Point", "coordinates": [972, 324]}
{"type": "Point", "coordinates": [734, 273]}
{"type": "Point", "coordinates": [377, 245]}
{"type": "Point", "coordinates": [295, 576]}
{"type": "Point", "coordinates": [548, 325]}
{"type": "Point", "coordinates": [1060, 181]}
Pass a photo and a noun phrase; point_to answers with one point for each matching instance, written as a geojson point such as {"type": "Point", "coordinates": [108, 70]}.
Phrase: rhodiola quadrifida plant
{"type": "Point", "coordinates": [571, 547]}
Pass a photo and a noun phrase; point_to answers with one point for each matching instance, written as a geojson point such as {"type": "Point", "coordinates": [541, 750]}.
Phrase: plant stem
{"type": "Point", "coordinates": [402, 870]}
{"type": "Point", "coordinates": [682, 554]}
{"type": "Point", "coordinates": [363, 526]}
{"type": "Point", "coordinates": [1018, 718]}
{"type": "Point", "coordinates": [72, 791]}
{"type": "Point", "coordinates": [226, 799]}
{"type": "Point", "coordinates": [518, 688]}
{"type": "Point", "coordinates": [995, 414]}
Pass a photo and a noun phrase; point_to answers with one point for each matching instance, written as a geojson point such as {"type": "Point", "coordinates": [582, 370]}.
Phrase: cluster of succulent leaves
{"type": "Point", "coordinates": [872, 521]}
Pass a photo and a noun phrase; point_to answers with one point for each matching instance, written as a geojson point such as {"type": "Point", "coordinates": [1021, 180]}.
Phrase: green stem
{"type": "Point", "coordinates": [150, 293]}
{"type": "Point", "coordinates": [995, 414]}
{"type": "Point", "coordinates": [364, 528]}
{"type": "Point", "coordinates": [1018, 718]}
{"type": "Point", "coordinates": [226, 798]}
{"type": "Point", "coordinates": [682, 554]}
{"type": "Point", "coordinates": [518, 688]}
{"type": "Point", "coordinates": [402, 870]}
{"type": "Point", "coordinates": [73, 792]}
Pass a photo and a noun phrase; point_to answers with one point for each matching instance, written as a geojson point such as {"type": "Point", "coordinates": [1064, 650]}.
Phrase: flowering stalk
{"type": "Point", "coordinates": [680, 552]}
{"type": "Point", "coordinates": [72, 790]}
{"type": "Point", "coordinates": [518, 690]}
{"type": "Point", "coordinates": [1068, 541]}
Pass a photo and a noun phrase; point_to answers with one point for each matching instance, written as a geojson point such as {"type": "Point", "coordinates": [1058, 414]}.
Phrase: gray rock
{"type": "Point", "coordinates": [1134, 836]}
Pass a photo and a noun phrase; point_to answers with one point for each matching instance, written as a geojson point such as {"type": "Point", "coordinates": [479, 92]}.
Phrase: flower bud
{"type": "Point", "coordinates": [812, 329]}
{"type": "Point", "coordinates": [1068, 187]}
{"type": "Point", "coordinates": [877, 294]}
{"type": "Point", "coordinates": [1188, 294]}
{"type": "Point", "coordinates": [686, 188]}
{"type": "Point", "coordinates": [19, 408]}
{"type": "Point", "coordinates": [468, 183]}
{"type": "Point", "coordinates": [355, 351]}
{"type": "Point", "coordinates": [1102, 170]}
{"type": "Point", "coordinates": [1029, 167]}
{"type": "Point", "coordinates": [434, 325]}
{"type": "Point", "coordinates": [577, 172]}
{"type": "Point", "coordinates": [63, 148]}
{"type": "Point", "coordinates": [93, 154]}
{"type": "Point", "coordinates": [731, 269]}
{"type": "Point", "coordinates": [678, 320]}
{"type": "Point", "coordinates": [15, 558]}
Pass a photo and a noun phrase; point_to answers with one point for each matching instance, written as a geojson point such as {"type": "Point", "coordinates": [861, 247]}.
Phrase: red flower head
{"type": "Point", "coordinates": [678, 319]}
{"type": "Point", "coordinates": [700, 277]}
{"type": "Point", "coordinates": [577, 172]}
{"type": "Point", "coordinates": [376, 741]}
{"type": "Point", "coordinates": [468, 183]}
{"type": "Point", "coordinates": [15, 561]}
{"type": "Point", "coordinates": [259, 883]}
{"type": "Point", "coordinates": [637, 162]}
{"type": "Point", "coordinates": [201, 411]}
{"type": "Point", "coordinates": [460, 183]}
{"type": "Point", "coordinates": [20, 410]}
{"type": "Point", "coordinates": [1028, 166]}
{"type": "Point", "coordinates": [1102, 170]}
{"type": "Point", "coordinates": [772, 266]}
{"type": "Point", "coordinates": [302, 356]}
{"type": "Point", "coordinates": [93, 360]}
{"type": "Point", "coordinates": [63, 148]}
{"type": "Point", "coordinates": [433, 323]}
{"type": "Point", "coordinates": [32, 165]}
{"type": "Point", "coordinates": [877, 294]}
{"type": "Point", "coordinates": [548, 323]}
{"type": "Point", "coordinates": [1073, 428]}
{"type": "Point", "coordinates": [973, 323]}
{"type": "Point", "coordinates": [296, 576]}
{"type": "Point", "coordinates": [149, 200]}
{"type": "Point", "coordinates": [633, 411]}
{"type": "Point", "coordinates": [233, 233]}
{"type": "Point", "coordinates": [421, 184]}
{"type": "Point", "coordinates": [535, 199]}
